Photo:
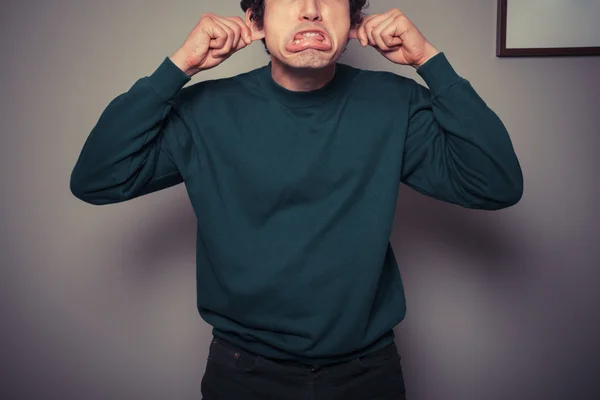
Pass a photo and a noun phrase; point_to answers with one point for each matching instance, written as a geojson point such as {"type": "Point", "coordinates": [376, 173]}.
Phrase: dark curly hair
{"type": "Point", "coordinates": [257, 11]}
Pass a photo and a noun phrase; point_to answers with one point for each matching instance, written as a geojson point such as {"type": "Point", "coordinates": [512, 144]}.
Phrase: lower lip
{"type": "Point", "coordinates": [308, 44]}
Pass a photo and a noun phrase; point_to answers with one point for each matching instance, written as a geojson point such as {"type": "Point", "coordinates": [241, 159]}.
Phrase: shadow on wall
{"type": "Point", "coordinates": [419, 222]}
{"type": "Point", "coordinates": [471, 234]}
{"type": "Point", "coordinates": [167, 238]}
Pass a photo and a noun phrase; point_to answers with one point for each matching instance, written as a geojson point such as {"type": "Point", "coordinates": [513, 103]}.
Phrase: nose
{"type": "Point", "coordinates": [310, 10]}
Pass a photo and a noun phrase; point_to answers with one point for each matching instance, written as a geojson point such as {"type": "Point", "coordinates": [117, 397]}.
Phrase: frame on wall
{"type": "Point", "coordinates": [562, 28]}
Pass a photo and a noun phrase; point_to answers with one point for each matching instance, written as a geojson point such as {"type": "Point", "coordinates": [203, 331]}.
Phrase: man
{"type": "Point", "coordinates": [292, 170]}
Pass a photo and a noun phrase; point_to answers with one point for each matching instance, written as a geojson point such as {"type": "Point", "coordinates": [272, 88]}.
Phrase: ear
{"type": "Point", "coordinates": [257, 34]}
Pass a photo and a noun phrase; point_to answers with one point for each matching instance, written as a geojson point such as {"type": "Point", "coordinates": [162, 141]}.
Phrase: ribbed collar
{"type": "Point", "coordinates": [302, 99]}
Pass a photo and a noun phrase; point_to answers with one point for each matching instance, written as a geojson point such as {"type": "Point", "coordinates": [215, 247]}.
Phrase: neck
{"type": "Point", "coordinates": [301, 79]}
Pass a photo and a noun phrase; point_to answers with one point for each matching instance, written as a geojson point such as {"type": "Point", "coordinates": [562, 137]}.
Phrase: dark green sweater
{"type": "Point", "coordinates": [295, 192]}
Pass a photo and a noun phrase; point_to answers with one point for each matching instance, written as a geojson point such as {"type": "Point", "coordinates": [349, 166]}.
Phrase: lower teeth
{"type": "Point", "coordinates": [299, 41]}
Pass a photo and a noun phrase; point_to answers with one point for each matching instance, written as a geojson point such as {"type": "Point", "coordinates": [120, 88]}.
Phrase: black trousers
{"type": "Point", "coordinates": [235, 374]}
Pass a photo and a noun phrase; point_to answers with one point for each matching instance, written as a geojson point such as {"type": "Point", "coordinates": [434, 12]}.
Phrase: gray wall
{"type": "Point", "coordinates": [99, 302]}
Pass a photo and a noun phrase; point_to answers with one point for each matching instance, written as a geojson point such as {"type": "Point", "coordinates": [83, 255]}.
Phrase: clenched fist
{"type": "Point", "coordinates": [213, 40]}
{"type": "Point", "coordinates": [394, 36]}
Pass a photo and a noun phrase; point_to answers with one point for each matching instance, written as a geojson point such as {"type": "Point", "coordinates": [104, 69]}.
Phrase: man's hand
{"type": "Point", "coordinates": [394, 36]}
{"type": "Point", "coordinates": [213, 40]}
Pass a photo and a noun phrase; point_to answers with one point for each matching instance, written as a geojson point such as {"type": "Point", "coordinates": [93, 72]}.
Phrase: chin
{"type": "Point", "coordinates": [310, 58]}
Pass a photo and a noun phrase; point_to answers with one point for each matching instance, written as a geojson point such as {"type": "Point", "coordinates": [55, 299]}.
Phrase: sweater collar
{"type": "Point", "coordinates": [297, 99]}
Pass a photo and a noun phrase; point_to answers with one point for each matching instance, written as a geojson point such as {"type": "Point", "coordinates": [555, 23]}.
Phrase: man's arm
{"type": "Point", "coordinates": [128, 152]}
{"type": "Point", "coordinates": [457, 149]}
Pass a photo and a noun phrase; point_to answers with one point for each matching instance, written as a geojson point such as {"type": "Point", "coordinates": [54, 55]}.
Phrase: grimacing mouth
{"type": "Point", "coordinates": [311, 32]}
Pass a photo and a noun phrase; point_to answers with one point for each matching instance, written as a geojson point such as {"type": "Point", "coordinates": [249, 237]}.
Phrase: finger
{"type": "Point", "coordinates": [361, 35]}
{"type": "Point", "coordinates": [371, 24]}
{"type": "Point", "coordinates": [241, 44]}
{"type": "Point", "coordinates": [389, 50]}
{"type": "Point", "coordinates": [392, 34]}
{"type": "Point", "coordinates": [391, 40]}
{"type": "Point", "coordinates": [377, 32]}
{"type": "Point", "coordinates": [217, 35]}
{"type": "Point", "coordinates": [354, 34]}
{"type": "Point", "coordinates": [361, 31]}
{"type": "Point", "coordinates": [226, 49]}
{"type": "Point", "coordinates": [244, 30]}
{"type": "Point", "coordinates": [236, 29]}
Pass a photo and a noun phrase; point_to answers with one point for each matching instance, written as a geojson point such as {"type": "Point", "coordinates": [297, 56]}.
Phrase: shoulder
{"type": "Point", "coordinates": [218, 89]}
{"type": "Point", "coordinates": [375, 75]}
{"type": "Point", "coordinates": [376, 82]}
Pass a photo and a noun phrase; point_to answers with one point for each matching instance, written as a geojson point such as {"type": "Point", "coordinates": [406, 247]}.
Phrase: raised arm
{"type": "Point", "coordinates": [457, 149]}
{"type": "Point", "coordinates": [133, 148]}
{"type": "Point", "coordinates": [130, 150]}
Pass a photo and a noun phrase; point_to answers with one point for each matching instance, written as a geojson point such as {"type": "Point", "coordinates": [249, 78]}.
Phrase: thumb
{"type": "Point", "coordinates": [353, 34]}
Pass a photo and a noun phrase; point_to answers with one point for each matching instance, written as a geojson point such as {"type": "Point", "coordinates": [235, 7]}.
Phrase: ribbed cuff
{"type": "Point", "coordinates": [168, 79]}
{"type": "Point", "coordinates": [438, 74]}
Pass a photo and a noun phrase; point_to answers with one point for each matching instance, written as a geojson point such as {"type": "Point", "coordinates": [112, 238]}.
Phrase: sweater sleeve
{"type": "Point", "coordinates": [457, 150]}
{"type": "Point", "coordinates": [130, 150]}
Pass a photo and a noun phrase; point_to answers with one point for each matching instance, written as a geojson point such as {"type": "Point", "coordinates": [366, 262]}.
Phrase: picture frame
{"type": "Point", "coordinates": [534, 28]}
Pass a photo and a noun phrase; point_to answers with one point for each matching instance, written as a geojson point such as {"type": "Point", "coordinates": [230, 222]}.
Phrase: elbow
{"type": "Point", "coordinates": [512, 196]}
{"type": "Point", "coordinates": [503, 189]}
{"type": "Point", "coordinates": [82, 191]}
{"type": "Point", "coordinates": [509, 193]}
{"type": "Point", "coordinates": [516, 191]}
{"type": "Point", "coordinates": [514, 187]}
{"type": "Point", "coordinates": [76, 185]}
{"type": "Point", "coordinates": [79, 190]}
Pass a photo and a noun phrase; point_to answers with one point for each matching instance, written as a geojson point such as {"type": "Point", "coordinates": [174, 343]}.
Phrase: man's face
{"type": "Point", "coordinates": [306, 33]}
